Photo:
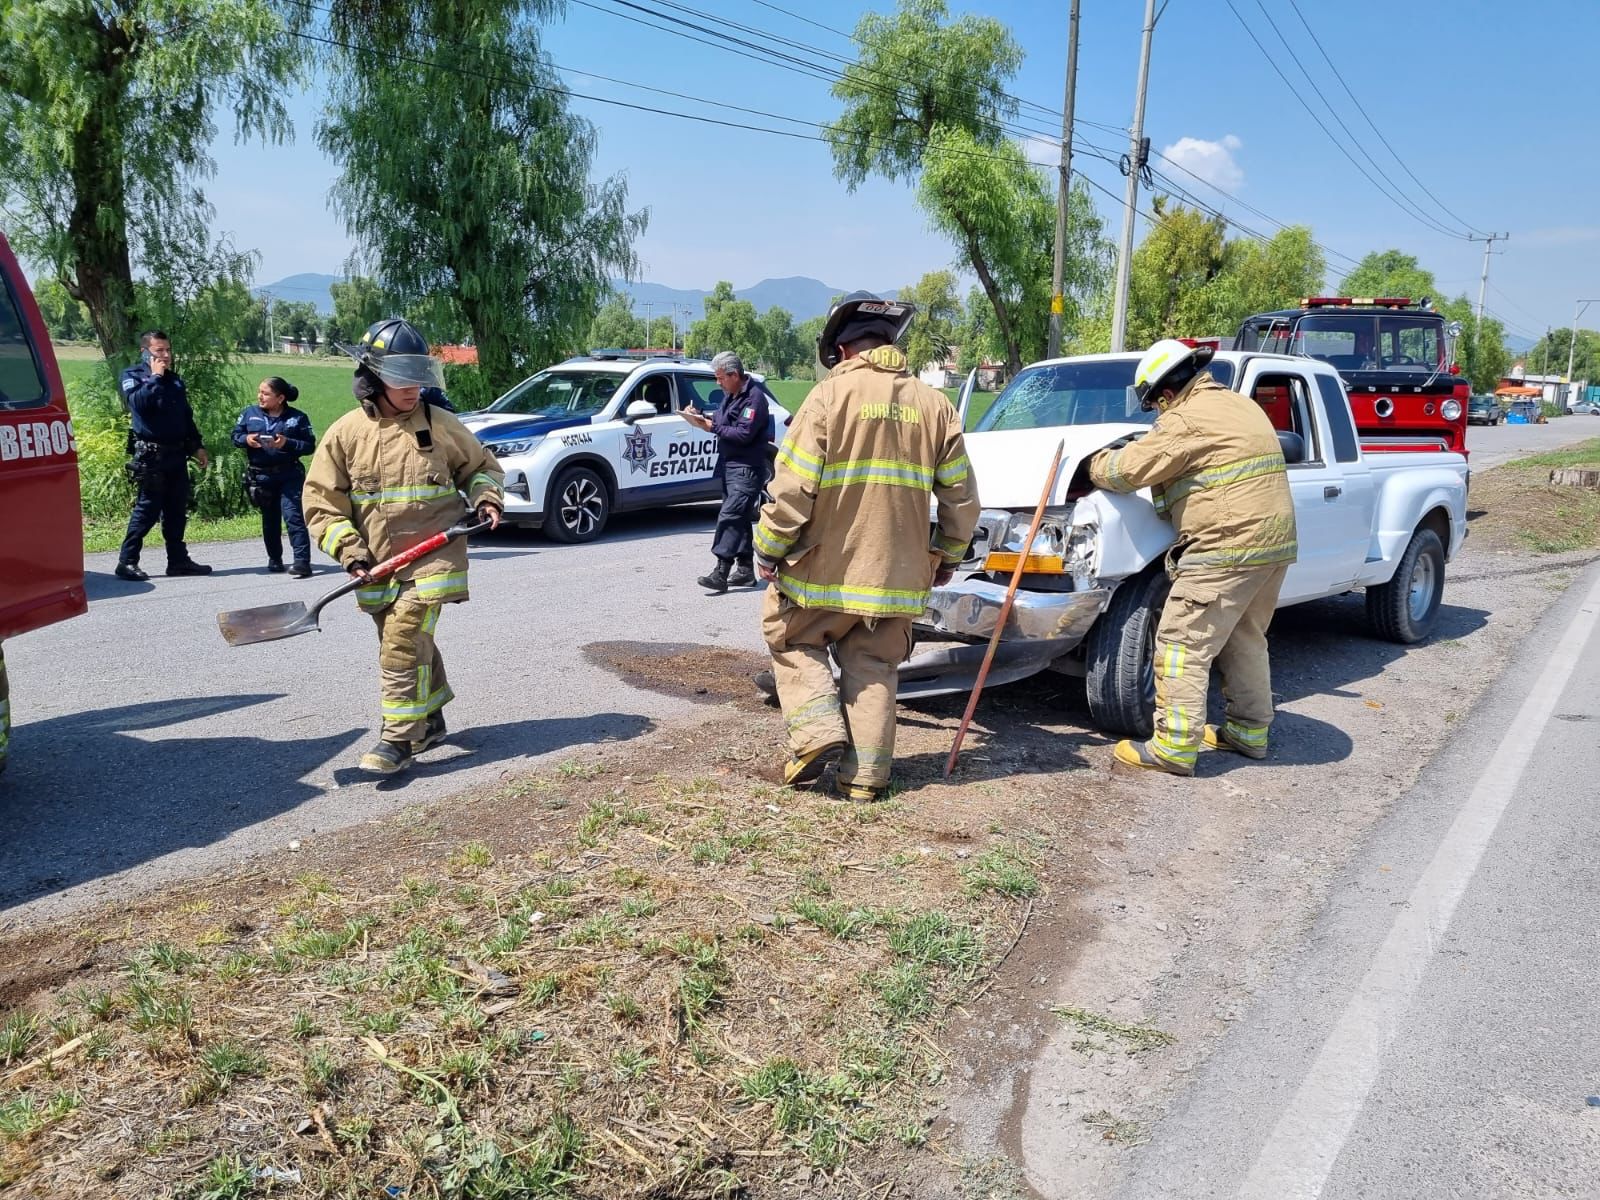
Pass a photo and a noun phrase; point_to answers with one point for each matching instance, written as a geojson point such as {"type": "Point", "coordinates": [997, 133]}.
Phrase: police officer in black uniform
{"type": "Point", "coordinates": [162, 439]}
{"type": "Point", "coordinates": [742, 423]}
{"type": "Point", "coordinates": [275, 436]}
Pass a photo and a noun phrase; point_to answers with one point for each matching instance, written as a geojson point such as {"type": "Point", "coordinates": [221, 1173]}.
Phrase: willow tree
{"type": "Point", "coordinates": [108, 109]}
{"type": "Point", "coordinates": [464, 176]}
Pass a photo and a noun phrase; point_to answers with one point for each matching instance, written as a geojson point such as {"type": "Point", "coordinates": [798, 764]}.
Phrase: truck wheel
{"type": "Point", "coordinates": [1120, 655]}
{"type": "Point", "coordinates": [1404, 609]}
{"type": "Point", "coordinates": [579, 506]}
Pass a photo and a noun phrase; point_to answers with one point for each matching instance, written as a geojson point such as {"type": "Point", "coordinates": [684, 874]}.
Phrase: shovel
{"type": "Point", "coordinates": [247, 626]}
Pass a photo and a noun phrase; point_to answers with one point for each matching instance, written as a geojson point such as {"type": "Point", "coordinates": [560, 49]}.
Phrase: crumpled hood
{"type": "Point", "coordinates": [1009, 465]}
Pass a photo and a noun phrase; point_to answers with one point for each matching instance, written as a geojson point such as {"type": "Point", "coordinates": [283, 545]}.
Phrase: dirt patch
{"type": "Point", "coordinates": [1515, 507]}
{"type": "Point", "coordinates": [704, 674]}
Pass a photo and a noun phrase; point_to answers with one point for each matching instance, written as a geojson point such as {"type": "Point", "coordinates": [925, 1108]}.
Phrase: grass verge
{"type": "Point", "coordinates": [542, 991]}
{"type": "Point", "coordinates": [1515, 507]}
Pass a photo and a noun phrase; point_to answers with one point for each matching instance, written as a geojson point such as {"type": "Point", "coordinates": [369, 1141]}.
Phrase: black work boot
{"type": "Point", "coordinates": [131, 572]}
{"type": "Point", "coordinates": [434, 733]}
{"type": "Point", "coordinates": [188, 567]}
{"type": "Point", "coordinates": [301, 570]}
{"type": "Point", "coordinates": [717, 580]}
{"type": "Point", "coordinates": [276, 567]}
{"type": "Point", "coordinates": [387, 757]}
{"type": "Point", "coordinates": [744, 574]}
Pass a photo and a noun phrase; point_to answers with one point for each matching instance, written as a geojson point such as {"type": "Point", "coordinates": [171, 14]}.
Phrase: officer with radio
{"type": "Point", "coordinates": [161, 440]}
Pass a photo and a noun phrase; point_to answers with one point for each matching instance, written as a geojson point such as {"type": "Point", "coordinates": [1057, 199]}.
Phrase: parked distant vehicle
{"type": "Point", "coordinates": [1484, 410]}
{"type": "Point", "coordinates": [1585, 408]}
{"type": "Point", "coordinates": [1524, 412]}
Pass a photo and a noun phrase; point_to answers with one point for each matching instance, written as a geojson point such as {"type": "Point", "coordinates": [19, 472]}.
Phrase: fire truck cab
{"type": "Point", "coordinates": [41, 522]}
{"type": "Point", "coordinates": [1396, 358]}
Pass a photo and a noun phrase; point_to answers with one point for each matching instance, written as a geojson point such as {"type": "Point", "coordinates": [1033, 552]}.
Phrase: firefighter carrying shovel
{"type": "Point", "coordinates": [387, 476]}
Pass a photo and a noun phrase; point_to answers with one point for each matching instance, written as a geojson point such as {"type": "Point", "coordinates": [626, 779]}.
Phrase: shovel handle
{"type": "Point", "coordinates": [423, 548]}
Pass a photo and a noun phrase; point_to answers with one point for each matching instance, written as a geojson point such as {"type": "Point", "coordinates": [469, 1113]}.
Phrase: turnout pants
{"type": "Point", "coordinates": [413, 679]}
{"type": "Point", "coordinates": [164, 498]}
{"type": "Point", "coordinates": [741, 504]}
{"type": "Point", "coordinates": [283, 508]}
{"type": "Point", "coordinates": [1220, 616]}
{"type": "Point", "coordinates": [869, 650]}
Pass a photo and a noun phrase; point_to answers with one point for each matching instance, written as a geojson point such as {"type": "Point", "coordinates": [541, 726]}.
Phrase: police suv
{"type": "Point", "coordinates": [598, 434]}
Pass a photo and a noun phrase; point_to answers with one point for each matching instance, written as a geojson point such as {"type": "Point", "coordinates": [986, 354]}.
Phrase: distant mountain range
{"type": "Point", "coordinates": [1519, 345]}
{"type": "Point", "coordinates": [802, 296]}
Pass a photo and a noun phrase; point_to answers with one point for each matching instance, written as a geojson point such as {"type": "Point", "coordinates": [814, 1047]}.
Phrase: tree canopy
{"type": "Point", "coordinates": [467, 179]}
{"type": "Point", "coordinates": [108, 111]}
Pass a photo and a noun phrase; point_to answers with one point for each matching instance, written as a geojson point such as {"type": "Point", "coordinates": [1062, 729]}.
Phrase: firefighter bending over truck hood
{"type": "Point", "coordinates": [1217, 472]}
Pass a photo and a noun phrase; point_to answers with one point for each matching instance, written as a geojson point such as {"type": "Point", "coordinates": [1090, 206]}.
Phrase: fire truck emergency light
{"type": "Point", "coordinates": [1349, 302]}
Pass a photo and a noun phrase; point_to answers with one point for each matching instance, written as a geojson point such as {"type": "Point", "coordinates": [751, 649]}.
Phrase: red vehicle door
{"type": "Point", "coordinates": [41, 522]}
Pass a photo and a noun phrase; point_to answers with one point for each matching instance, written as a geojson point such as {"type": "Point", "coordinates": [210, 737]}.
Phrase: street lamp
{"type": "Point", "coordinates": [1572, 347]}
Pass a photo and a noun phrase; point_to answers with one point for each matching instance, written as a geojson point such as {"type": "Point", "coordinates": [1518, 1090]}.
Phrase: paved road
{"type": "Point", "coordinates": [1435, 1035]}
{"type": "Point", "coordinates": [143, 743]}
{"type": "Point", "coordinates": [1491, 445]}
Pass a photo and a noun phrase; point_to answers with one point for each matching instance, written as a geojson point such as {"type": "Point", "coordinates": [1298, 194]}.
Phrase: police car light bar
{"type": "Point", "coordinates": [1350, 302]}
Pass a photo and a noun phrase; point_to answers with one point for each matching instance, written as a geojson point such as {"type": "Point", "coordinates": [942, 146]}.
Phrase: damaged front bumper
{"type": "Point", "coordinates": [1041, 628]}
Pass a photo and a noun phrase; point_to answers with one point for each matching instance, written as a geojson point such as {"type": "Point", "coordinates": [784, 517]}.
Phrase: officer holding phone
{"type": "Point", "coordinates": [161, 439]}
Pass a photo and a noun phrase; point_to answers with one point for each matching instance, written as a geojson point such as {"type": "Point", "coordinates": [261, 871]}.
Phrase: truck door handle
{"type": "Point", "coordinates": [1331, 492]}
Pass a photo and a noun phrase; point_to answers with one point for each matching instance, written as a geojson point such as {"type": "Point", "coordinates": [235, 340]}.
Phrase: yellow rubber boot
{"type": "Point", "coordinates": [1139, 754]}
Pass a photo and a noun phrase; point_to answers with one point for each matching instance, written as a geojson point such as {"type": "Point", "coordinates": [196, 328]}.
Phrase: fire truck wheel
{"type": "Point", "coordinates": [1404, 609]}
{"type": "Point", "coordinates": [1120, 680]}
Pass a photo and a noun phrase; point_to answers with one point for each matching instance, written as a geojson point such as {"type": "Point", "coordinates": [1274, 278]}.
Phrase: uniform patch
{"type": "Point", "coordinates": [750, 413]}
{"type": "Point", "coordinates": [638, 450]}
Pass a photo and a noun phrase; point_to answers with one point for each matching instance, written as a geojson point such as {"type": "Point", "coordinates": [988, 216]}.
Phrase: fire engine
{"type": "Point", "coordinates": [1396, 358]}
{"type": "Point", "coordinates": [41, 535]}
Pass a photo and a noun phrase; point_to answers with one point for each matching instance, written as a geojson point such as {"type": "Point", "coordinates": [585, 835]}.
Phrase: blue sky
{"type": "Point", "coordinates": [1495, 113]}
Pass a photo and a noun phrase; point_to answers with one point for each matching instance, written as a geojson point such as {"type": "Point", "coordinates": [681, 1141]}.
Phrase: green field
{"type": "Point", "coordinates": [324, 383]}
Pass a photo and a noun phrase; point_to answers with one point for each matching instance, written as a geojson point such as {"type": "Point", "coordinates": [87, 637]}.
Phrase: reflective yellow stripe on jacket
{"type": "Point", "coordinates": [404, 495]}
{"type": "Point", "coordinates": [854, 598]}
{"type": "Point", "coordinates": [1228, 473]}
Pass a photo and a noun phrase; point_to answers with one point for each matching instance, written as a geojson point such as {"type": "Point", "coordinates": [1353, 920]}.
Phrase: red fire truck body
{"type": "Point", "coordinates": [1396, 359]}
{"type": "Point", "coordinates": [41, 533]}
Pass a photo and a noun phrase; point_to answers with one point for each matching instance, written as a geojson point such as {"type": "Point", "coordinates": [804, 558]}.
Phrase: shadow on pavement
{"type": "Point", "coordinates": [469, 749]}
{"type": "Point", "coordinates": [85, 797]}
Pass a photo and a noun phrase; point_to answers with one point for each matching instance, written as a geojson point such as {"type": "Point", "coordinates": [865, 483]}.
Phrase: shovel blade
{"type": "Point", "coordinates": [246, 626]}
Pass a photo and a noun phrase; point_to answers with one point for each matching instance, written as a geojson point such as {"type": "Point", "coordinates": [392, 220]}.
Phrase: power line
{"type": "Point", "coordinates": [1323, 126]}
{"type": "Point", "coordinates": [1360, 109]}
{"type": "Point", "coordinates": [1415, 208]}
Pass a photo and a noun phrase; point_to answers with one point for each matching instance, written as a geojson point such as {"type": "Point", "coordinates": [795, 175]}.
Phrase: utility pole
{"type": "Point", "coordinates": [1138, 154]}
{"type": "Point", "coordinates": [1064, 188]}
{"type": "Point", "coordinates": [1572, 347]}
{"type": "Point", "coordinates": [649, 311]}
{"type": "Point", "coordinates": [1483, 282]}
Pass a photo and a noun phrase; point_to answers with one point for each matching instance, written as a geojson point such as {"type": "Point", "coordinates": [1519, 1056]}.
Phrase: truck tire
{"type": "Point", "coordinates": [1120, 680]}
{"type": "Point", "coordinates": [1404, 609]}
{"type": "Point", "coordinates": [580, 506]}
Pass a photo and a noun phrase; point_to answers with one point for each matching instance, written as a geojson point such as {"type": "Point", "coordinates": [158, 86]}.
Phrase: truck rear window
{"type": "Point", "coordinates": [22, 379]}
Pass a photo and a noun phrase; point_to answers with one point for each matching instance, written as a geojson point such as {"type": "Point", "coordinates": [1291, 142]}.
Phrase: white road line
{"type": "Point", "coordinates": [1299, 1155]}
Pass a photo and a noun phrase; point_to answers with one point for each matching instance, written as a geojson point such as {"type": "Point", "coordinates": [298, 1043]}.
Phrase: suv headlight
{"type": "Point", "coordinates": [1047, 555]}
{"type": "Point", "coordinates": [505, 449]}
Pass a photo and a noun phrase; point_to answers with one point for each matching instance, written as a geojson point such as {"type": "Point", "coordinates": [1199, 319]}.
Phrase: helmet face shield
{"type": "Point", "coordinates": [407, 370]}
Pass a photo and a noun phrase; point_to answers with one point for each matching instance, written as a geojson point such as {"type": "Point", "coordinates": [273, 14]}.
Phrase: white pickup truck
{"type": "Point", "coordinates": [1095, 578]}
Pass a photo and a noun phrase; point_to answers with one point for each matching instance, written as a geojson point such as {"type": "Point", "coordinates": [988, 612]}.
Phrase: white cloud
{"type": "Point", "coordinates": [1211, 161]}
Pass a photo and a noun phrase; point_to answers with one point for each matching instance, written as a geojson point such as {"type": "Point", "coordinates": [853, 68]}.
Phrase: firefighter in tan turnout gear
{"type": "Point", "coordinates": [845, 541]}
{"type": "Point", "coordinates": [1217, 472]}
{"type": "Point", "coordinates": [385, 477]}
